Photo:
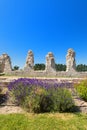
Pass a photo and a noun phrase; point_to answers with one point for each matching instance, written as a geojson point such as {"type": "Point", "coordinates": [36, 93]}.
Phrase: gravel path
{"type": "Point", "coordinates": [10, 109]}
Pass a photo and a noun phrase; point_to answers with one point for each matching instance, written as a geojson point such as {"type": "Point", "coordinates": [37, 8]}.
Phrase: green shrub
{"type": "Point", "coordinates": [82, 89]}
{"type": "Point", "coordinates": [59, 99]}
{"type": "Point", "coordinates": [63, 101]}
{"type": "Point", "coordinates": [32, 101]}
{"type": "Point", "coordinates": [40, 96]}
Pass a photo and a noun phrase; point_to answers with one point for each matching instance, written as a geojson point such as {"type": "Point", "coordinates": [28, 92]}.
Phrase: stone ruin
{"type": "Point", "coordinates": [70, 61]}
{"type": "Point", "coordinates": [50, 62]}
{"type": "Point", "coordinates": [29, 60]}
{"type": "Point", "coordinates": [5, 63]}
{"type": "Point", "coordinates": [5, 66]}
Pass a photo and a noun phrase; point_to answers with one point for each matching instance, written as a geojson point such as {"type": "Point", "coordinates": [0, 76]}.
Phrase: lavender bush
{"type": "Point", "coordinates": [37, 95]}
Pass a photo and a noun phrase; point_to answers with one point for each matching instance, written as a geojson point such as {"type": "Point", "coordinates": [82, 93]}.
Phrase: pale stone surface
{"type": "Point", "coordinates": [11, 109]}
{"type": "Point", "coordinates": [30, 60]}
{"type": "Point", "coordinates": [50, 62]}
{"type": "Point", "coordinates": [5, 63]}
{"type": "Point", "coordinates": [70, 60]}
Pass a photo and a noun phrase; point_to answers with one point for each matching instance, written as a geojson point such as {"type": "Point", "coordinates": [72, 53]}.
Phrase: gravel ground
{"type": "Point", "coordinates": [10, 109]}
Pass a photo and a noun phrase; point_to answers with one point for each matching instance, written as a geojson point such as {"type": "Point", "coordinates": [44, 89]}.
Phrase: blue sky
{"type": "Point", "coordinates": [43, 26]}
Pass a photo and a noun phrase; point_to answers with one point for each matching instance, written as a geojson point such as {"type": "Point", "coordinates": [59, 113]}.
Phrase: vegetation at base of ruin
{"type": "Point", "coordinates": [38, 96]}
{"type": "Point", "coordinates": [15, 68]}
{"type": "Point", "coordinates": [82, 89]}
{"type": "Point", "coordinates": [47, 121]}
{"type": "Point", "coordinates": [2, 74]}
{"type": "Point", "coordinates": [39, 67]}
{"type": "Point", "coordinates": [59, 67]}
{"type": "Point", "coordinates": [81, 67]}
{"type": "Point", "coordinates": [62, 67]}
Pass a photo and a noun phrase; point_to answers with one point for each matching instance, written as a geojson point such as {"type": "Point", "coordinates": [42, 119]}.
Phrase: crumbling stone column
{"type": "Point", "coordinates": [70, 60]}
{"type": "Point", "coordinates": [5, 63]}
{"type": "Point", "coordinates": [50, 62]}
{"type": "Point", "coordinates": [30, 60]}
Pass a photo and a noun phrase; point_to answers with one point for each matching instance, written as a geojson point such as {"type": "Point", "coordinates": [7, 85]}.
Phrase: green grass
{"type": "Point", "coordinates": [55, 121]}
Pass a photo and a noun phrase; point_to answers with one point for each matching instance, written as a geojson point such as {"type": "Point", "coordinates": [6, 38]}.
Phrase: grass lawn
{"type": "Point", "coordinates": [48, 121]}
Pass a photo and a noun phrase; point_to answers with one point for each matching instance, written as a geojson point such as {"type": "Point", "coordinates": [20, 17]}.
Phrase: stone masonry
{"type": "Point", "coordinates": [5, 63]}
{"type": "Point", "coordinates": [70, 61]}
{"type": "Point", "coordinates": [5, 66]}
{"type": "Point", "coordinates": [29, 60]}
{"type": "Point", "coordinates": [50, 62]}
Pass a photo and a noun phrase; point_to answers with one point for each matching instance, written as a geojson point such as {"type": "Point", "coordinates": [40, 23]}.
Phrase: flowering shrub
{"type": "Point", "coordinates": [82, 89]}
{"type": "Point", "coordinates": [41, 95]}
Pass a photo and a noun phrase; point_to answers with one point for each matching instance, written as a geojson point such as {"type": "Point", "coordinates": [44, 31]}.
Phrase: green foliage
{"type": "Point", "coordinates": [39, 67]}
{"type": "Point", "coordinates": [81, 67]}
{"type": "Point", "coordinates": [60, 67]}
{"type": "Point", "coordinates": [56, 100]}
{"type": "Point", "coordinates": [37, 96]}
{"type": "Point", "coordinates": [39, 102]}
{"type": "Point", "coordinates": [62, 99]}
{"type": "Point", "coordinates": [82, 89]}
{"type": "Point", "coordinates": [31, 103]}
{"type": "Point", "coordinates": [47, 121]}
{"type": "Point", "coordinates": [15, 67]}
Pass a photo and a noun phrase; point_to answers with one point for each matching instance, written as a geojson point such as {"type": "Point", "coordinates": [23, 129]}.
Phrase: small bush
{"type": "Point", "coordinates": [32, 101]}
{"type": "Point", "coordinates": [40, 96]}
{"type": "Point", "coordinates": [82, 89]}
{"type": "Point", "coordinates": [62, 99]}
{"type": "Point", "coordinates": [19, 89]}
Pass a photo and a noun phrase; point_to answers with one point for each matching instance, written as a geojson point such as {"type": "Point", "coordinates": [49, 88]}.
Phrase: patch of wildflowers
{"type": "Point", "coordinates": [34, 91]}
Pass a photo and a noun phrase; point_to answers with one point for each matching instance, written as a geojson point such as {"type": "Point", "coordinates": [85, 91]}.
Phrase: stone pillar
{"type": "Point", "coordinates": [50, 62]}
{"type": "Point", "coordinates": [5, 63]}
{"type": "Point", "coordinates": [29, 60]}
{"type": "Point", "coordinates": [70, 61]}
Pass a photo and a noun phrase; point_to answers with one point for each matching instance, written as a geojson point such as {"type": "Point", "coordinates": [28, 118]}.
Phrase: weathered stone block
{"type": "Point", "coordinates": [70, 61]}
{"type": "Point", "coordinates": [29, 60]}
{"type": "Point", "coordinates": [50, 62]}
{"type": "Point", "coordinates": [5, 63]}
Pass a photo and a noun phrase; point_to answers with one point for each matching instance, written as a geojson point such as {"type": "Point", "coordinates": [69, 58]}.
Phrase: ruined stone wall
{"type": "Point", "coordinates": [5, 63]}
{"type": "Point", "coordinates": [50, 71]}
{"type": "Point", "coordinates": [70, 61]}
{"type": "Point", "coordinates": [29, 61]}
{"type": "Point", "coordinates": [50, 62]}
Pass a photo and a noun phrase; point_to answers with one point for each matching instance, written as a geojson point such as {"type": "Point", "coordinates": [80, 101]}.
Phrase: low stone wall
{"type": "Point", "coordinates": [31, 73]}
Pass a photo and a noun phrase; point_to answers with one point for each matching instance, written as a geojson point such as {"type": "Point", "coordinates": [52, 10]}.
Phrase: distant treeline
{"type": "Point", "coordinates": [61, 67]}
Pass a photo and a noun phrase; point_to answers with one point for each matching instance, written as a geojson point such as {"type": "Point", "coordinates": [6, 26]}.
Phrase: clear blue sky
{"type": "Point", "coordinates": [43, 26]}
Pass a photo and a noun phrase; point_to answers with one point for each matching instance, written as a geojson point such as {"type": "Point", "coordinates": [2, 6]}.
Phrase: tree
{"type": "Point", "coordinates": [81, 67]}
{"type": "Point", "coordinates": [39, 66]}
{"type": "Point", "coordinates": [15, 68]}
{"type": "Point", "coordinates": [60, 67]}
